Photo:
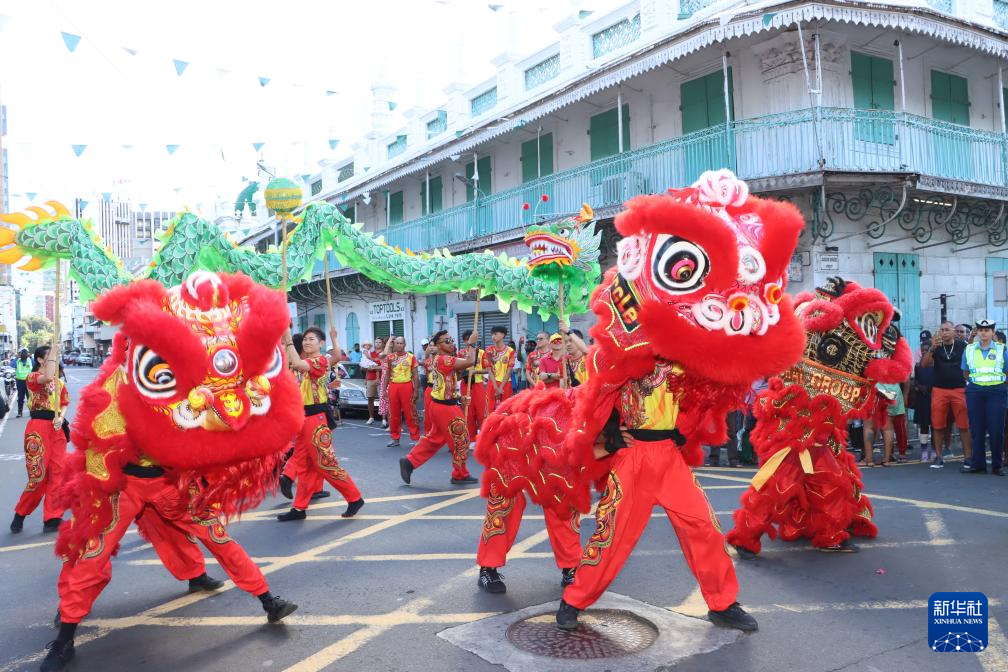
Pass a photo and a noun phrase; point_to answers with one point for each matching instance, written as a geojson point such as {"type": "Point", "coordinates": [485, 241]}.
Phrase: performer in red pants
{"type": "Point", "coordinates": [448, 423]}
{"type": "Point", "coordinates": [430, 353]}
{"type": "Point", "coordinates": [500, 528]}
{"type": "Point", "coordinates": [180, 554]}
{"type": "Point", "coordinates": [313, 458]}
{"type": "Point", "coordinates": [502, 357]}
{"type": "Point", "coordinates": [403, 391]}
{"type": "Point", "coordinates": [146, 487]}
{"type": "Point", "coordinates": [478, 406]}
{"type": "Point", "coordinates": [45, 443]}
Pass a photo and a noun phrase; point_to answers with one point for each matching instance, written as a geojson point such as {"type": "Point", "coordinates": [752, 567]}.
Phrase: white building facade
{"type": "Point", "coordinates": [883, 122]}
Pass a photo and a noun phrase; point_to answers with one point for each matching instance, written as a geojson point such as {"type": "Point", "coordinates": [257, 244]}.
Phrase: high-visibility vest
{"type": "Point", "coordinates": [987, 370]}
{"type": "Point", "coordinates": [23, 369]}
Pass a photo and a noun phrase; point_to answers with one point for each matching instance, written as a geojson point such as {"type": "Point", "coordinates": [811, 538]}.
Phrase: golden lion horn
{"type": "Point", "coordinates": [587, 214]}
{"type": "Point", "coordinates": [11, 252]}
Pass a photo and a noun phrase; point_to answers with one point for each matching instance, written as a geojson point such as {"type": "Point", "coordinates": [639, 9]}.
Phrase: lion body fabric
{"type": "Point", "coordinates": [196, 388]}
{"type": "Point", "coordinates": [809, 485]}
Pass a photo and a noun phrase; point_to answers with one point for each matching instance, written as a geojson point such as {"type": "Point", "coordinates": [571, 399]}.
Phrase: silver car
{"type": "Point", "coordinates": [352, 389]}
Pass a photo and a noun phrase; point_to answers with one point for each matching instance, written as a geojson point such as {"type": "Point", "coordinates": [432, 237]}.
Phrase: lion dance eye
{"type": "Point", "coordinates": [773, 293]}
{"type": "Point", "coordinates": [276, 366]}
{"type": "Point", "coordinates": [151, 374]}
{"type": "Point", "coordinates": [678, 265]}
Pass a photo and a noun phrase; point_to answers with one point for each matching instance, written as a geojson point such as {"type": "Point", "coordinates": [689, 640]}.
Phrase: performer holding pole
{"type": "Point", "coordinates": [45, 438]}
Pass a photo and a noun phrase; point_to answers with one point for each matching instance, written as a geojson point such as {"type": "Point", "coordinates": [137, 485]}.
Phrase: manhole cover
{"type": "Point", "coordinates": [601, 633]}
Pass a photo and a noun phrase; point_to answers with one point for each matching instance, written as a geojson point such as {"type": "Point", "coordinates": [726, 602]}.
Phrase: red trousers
{"type": "Point", "coordinates": [80, 583]}
{"type": "Point", "coordinates": [899, 423]}
{"type": "Point", "coordinates": [646, 474]}
{"type": "Point", "coordinates": [45, 454]}
{"type": "Point", "coordinates": [178, 553]}
{"type": "Point", "coordinates": [479, 407]}
{"type": "Point", "coordinates": [427, 426]}
{"type": "Point", "coordinates": [500, 527]}
{"type": "Point", "coordinates": [400, 399]}
{"type": "Point", "coordinates": [492, 394]}
{"type": "Point", "coordinates": [448, 427]}
{"type": "Point", "coordinates": [313, 460]}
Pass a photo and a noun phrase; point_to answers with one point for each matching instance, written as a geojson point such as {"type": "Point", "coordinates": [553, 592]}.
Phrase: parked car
{"type": "Point", "coordinates": [85, 359]}
{"type": "Point", "coordinates": [352, 390]}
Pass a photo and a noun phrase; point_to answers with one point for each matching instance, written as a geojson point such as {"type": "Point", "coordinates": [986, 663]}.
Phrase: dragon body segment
{"type": "Point", "coordinates": [192, 243]}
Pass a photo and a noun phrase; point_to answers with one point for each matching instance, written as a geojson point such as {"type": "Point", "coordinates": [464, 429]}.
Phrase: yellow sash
{"type": "Point", "coordinates": [772, 464]}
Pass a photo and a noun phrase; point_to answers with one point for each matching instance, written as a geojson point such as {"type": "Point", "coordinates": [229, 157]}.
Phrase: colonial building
{"type": "Point", "coordinates": [884, 122]}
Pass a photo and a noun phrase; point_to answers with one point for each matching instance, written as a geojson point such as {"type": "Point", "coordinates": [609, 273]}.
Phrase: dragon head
{"type": "Point", "coordinates": [851, 344]}
{"type": "Point", "coordinates": [569, 242]}
{"type": "Point", "coordinates": [700, 279]}
{"type": "Point", "coordinates": [199, 365]}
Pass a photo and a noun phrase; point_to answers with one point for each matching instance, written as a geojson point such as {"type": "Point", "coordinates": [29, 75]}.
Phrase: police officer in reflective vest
{"type": "Point", "coordinates": [985, 366]}
{"type": "Point", "coordinates": [22, 367]}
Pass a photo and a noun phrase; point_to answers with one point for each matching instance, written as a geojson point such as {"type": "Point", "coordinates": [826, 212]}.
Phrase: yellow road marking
{"type": "Point", "coordinates": [269, 513]}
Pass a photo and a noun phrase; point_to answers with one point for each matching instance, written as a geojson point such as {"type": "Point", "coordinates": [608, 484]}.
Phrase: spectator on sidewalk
{"type": "Point", "coordinates": [920, 393]}
{"type": "Point", "coordinates": [985, 367]}
{"type": "Point", "coordinates": [948, 391]}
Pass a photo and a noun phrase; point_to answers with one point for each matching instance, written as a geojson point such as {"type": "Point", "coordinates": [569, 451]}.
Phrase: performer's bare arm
{"type": "Point", "coordinates": [463, 363]}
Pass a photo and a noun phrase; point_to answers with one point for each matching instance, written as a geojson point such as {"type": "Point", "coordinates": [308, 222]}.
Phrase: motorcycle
{"type": "Point", "coordinates": [9, 384]}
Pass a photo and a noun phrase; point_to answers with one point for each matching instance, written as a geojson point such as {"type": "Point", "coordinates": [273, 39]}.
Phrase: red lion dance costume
{"type": "Point", "coordinates": [184, 426]}
{"type": "Point", "coordinates": [808, 484]}
{"type": "Point", "coordinates": [693, 313]}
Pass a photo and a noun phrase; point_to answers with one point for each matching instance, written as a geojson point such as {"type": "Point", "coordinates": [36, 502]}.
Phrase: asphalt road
{"type": "Point", "coordinates": [374, 591]}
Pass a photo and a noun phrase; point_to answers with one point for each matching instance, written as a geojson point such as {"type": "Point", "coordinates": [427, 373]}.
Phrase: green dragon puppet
{"type": "Point", "coordinates": [192, 243]}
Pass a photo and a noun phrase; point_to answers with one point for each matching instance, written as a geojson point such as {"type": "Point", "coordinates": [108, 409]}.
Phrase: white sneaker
{"type": "Point", "coordinates": [370, 421]}
{"type": "Point", "coordinates": [384, 424]}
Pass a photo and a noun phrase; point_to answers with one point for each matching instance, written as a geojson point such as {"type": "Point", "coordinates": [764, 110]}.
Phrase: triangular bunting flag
{"type": "Point", "coordinates": [31, 195]}
{"type": "Point", "coordinates": [263, 81]}
{"type": "Point", "coordinates": [768, 18]}
{"type": "Point", "coordinates": [178, 189]}
{"type": "Point", "coordinates": [333, 143]}
{"type": "Point", "coordinates": [83, 203]}
{"type": "Point", "coordinates": [258, 145]}
{"type": "Point", "coordinates": [106, 196]}
{"type": "Point", "coordinates": [180, 66]}
{"type": "Point", "coordinates": [78, 149]}
{"type": "Point", "coordinates": [171, 149]}
{"type": "Point", "coordinates": [305, 177]}
{"type": "Point", "coordinates": [143, 207]}
{"type": "Point", "coordinates": [494, 8]}
{"type": "Point", "coordinates": [130, 51]}
{"type": "Point", "coordinates": [331, 93]}
{"type": "Point", "coordinates": [392, 106]}
{"type": "Point", "coordinates": [71, 41]}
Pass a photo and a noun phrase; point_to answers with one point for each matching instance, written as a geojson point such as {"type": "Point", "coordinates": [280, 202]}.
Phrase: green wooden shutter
{"type": "Point", "coordinates": [959, 100]}
{"type": "Point", "coordinates": [395, 207]}
{"type": "Point", "coordinates": [532, 160]}
{"type": "Point", "coordinates": [485, 178]}
{"type": "Point", "coordinates": [940, 108]}
{"type": "Point", "coordinates": [693, 97]}
{"type": "Point", "coordinates": [436, 196]}
{"type": "Point", "coordinates": [861, 78]}
{"type": "Point", "coordinates": [604, 134]}
{"type": "Point", "coordinates": [883, 84]}
{"type": "Point", "coordinates": [320, 322]}
{"type": "Point", "coordinates": [714, 87]}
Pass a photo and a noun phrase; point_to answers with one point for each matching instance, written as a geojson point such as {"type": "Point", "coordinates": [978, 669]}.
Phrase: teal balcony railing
{"type": "Point", "coordinates": [790, 143]}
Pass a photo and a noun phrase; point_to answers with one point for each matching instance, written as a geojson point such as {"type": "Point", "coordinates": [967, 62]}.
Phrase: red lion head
{"type": "Point", "coordinates": [700, 279]}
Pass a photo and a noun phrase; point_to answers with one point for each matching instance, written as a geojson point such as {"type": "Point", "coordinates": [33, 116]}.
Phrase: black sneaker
{"type": "Point", "coordinates": [293, 514]}
{"type": "Point", "coordinates": [60, 653]}
{"type": "Point", "coordinates": [846, 546]}
{"type": "Point", "coordinates": [405, 470]}
{"type": "Point", "coordinates": [204, 582]}
{"type": "Point", "coordinates": [567, 576]}
{"type": "Point", "coordinates": [733, 617]}
{"type": "Point", "coordinates": [567, 616]}
{"type": "Point", "coordinates": [321, 494]}
{"type": "Point", "coordinates": [17, 524]}
{"type": "Point", "coordinates": [278, 608]}
{"type": "Point", "coordinates": [394, 443]}
{"type": "Point", "coordinates": [938, 463]}
{"type": "Point", "coordinates": [970, 469]}
{"type": "Point", "coordinates": [286, 487]}
{"type": "Point", "coordinates": [744, 553]}
{"type": "Point", "coordinates": [51, 525]}
{"type": "Point", "coordinates": [463, 481]}
{"type": "Point", "coordinates": [491, 581]}
{"type": "Point", "coordinates": [352, 508]}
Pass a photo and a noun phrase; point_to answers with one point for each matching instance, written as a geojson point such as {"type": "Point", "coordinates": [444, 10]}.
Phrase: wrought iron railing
{"type": "Point", "coordinates": [789, 143]}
